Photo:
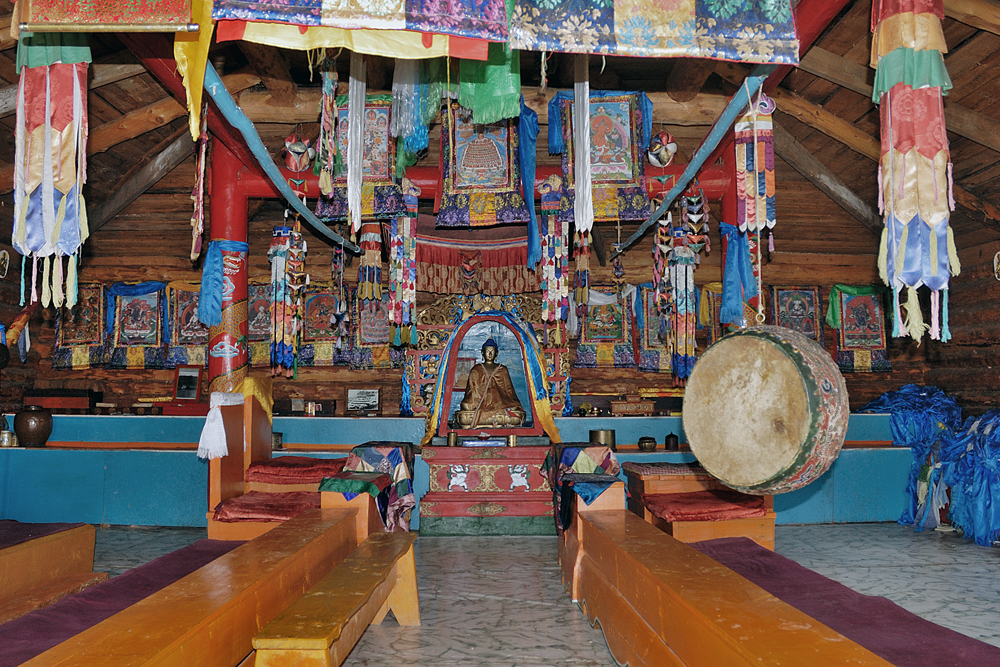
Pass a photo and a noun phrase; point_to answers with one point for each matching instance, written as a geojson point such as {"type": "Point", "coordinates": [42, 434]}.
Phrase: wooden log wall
{"type": "Point", "coordinates": [816, 243]}
{"type": "Point", "coordinates": [17, 376]}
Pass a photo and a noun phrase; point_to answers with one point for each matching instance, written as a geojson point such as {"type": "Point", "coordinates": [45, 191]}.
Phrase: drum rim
{"type": "Point", "coordinates": [780, 338]}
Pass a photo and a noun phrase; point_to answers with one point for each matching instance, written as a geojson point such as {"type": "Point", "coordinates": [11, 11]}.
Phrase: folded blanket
{"type": "Point", "coordinates": [294, 470]}
{"type": "Point", "coordinates": [714, 505]}
{"type": "Point", "coordinates": [259, 506]}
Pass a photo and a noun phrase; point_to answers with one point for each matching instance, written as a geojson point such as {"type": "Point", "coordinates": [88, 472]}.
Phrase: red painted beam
{"type": "Point", "coordinates": [811, 19]}
{"type": "Point", "coordinates": [713, 180]}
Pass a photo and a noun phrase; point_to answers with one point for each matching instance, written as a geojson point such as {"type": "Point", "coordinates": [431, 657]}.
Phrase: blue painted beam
{"type": "Point", "coordinates": [232, 112]}
{"type": "Point", "coordinates": [737, 103]}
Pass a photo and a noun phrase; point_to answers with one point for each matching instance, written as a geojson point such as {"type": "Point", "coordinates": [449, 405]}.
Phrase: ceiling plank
{"type": "Point", "coordinates": [982, 14]}
{"type": "Point", "coordinates": [804, 162]}
{"type": "Point", "coordinates": [269, 63]}
{"type": "Point", "coordinates": [161, 161]}
{"type": "Point", "coordinates": [687, 77]}
{"type": "Point", "coordinates": [6, 40]}
{"type": "Point", "coordinates": [962, 121]}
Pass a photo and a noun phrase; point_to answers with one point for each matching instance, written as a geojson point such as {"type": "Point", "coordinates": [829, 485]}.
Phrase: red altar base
{"type": "Point", "coordinates": [486, 482]}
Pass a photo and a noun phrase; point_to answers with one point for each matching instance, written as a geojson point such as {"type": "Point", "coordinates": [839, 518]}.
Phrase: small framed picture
{"type": "Point", "coordinates": [363, 402]}
{"type": "Point", "coordinates": [187, 383]}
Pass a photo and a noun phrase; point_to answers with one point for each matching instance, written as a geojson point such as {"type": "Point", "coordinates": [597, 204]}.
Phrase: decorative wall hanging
{"type": "Point", "coordinates": [494, 263]}
{"type": "Point", "coordinates": [799, 309]}
{"type": "Point", "coordinates": [403, 269]}
{"type": "Point", "coordinates": [326, 145]}
{"type": "Point", "coordinates": [858, 315]}
{"type": "Point", "coordinates": [915, 185]}
{"type": "Point", "coordinates": [79, 339]}
{"type": "Point", "coordinates": [298, 154]}
{"type": "Point", "coordinates": [188, 336]}
{"type": "Point", "coordinates": [651, 327]}
{"type": "Point", "coordinates": [372, 336]}
{"type": "Point", "coordinates": [607, 330]}
{"type": "Point", "coordinates": [381, 195]}
{"type": "Point", "coordinates": [259, 323]}
{"type": "Point", "coordinates": [136, 325]}
{"type": "Point", "coordinates": [620, 126]}
{"type": "Point", "coordinates": [710, 312]}
{"type": "Point", "coordinates": [486, 20]}
{"type": "Point", "coordinates": [370, 268]}
{"type": "Point", "coordinates": [50, 161]}
{"type": "Point", "coordinates": [721, 30]}
{"type": "Point", "coordinates": [755, 167]}
{"type": "Point", "coordinates": [491, 89]}
{"type": "Point", "coordinates": [555, 254]}
{"type": "Point", "coordinates": [325, 330]}
{"type": "Point", "coordinates": [480, 171]}
{"type": "Point", "coordinates": [288, 279]}
{"type": "Point", "coordinates": [198, 190]}
{"type": "Point", "coordinates": [162, 15]}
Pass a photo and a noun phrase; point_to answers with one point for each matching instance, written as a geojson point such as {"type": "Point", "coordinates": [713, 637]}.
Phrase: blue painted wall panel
{"type": "Point", "coordinates": [871, 484]}
{"type": "Point", "coordinates": [43, 486]}
{"type": "Point", "coordinates": [144, 488]}
{"type": "Point", "coordinates": [810, 504]}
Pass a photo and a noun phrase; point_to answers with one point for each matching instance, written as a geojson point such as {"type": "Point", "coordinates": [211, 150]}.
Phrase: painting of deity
{"type": "Point", "coordinates": [799, 309]}
{"type": "Point", "coordinates": [259, 311]}
{"type": "Point", "coordinates": [84, 323]}
{"type": "Point", "coordinates": [187, 329]}
{"type": "Point", "coordinates": [373, 321]}
{"type": "Point", "coordinates": [377, 162]}
{"type": "Point", "coordinates": [138, 320]}
{"type": "Point", "coordinates": [481, 153]}
{"type": "Point", "coordinates": [320, 317]}
{"type": "Point", "coordinates": [863, 323]}
{"type": "Point", "coordinates": [611, 140]}
{"type": "Point", "coordinates": [605, 323]}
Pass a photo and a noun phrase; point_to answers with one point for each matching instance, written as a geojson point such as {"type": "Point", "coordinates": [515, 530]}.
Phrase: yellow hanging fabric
{"type": "Point", "coordinates": [191, 54]}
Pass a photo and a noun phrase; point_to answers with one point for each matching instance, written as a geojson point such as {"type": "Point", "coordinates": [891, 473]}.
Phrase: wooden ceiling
{"type": "Point", "coordinates": [828, 132]}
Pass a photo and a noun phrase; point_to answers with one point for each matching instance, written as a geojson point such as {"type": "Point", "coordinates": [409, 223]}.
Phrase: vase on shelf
{"type": "Point", "coordinates": [33, 426]}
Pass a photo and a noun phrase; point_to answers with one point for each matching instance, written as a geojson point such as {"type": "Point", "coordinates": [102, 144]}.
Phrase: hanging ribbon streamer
{"type": "Point", "coordinates": [370, 270]}
{"type": "Point", "coordinates": [355, 146]}
{"type": "Point", "coordinates": [403, 270]}
{"type": "Point", "coordinates": [198, 191]}
{"type": "Point", "coordinates": [287, 255]}
{"type": "Point", "coordinates": [739, 284]}
{"type": "Point", "coordinates": [555, 254]}
{"type": "Point", "coordinates": [583, 202]}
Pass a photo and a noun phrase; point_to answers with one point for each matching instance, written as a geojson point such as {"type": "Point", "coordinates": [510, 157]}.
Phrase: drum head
{"type": "Point", "coordinates": [746, 411]}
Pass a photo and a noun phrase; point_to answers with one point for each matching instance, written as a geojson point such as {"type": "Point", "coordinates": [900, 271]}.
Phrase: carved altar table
{"type": "Point", "coordinates": [486, 491]}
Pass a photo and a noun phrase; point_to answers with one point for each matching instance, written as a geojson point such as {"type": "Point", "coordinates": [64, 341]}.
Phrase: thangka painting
{"type": "Point", "coordinates": [79, 339]}
{"type": "Point", "coordinates": [799, 309]}
{"type": "Point", "coordinates": [620, 125]}
{"type": "Point", "coordinates": [481, 177]}
{"type": "Point", "coordinates": [188, 336]}
{"type": "Point", "coordinates": [372, 336]}
{"type": "Point", "coordinates": [758, 32]}
{"type": "Point", "coordinates": [325, 336]}
{"type": "Point", "coordinates": [137, 336]}
{"type": "Point", "coordinates": [861, 335]}
{"type": "Point", "coordinates": [654, 352]}
{"type": "Point", "coordinates": [259, 323]}
{"type": "Point", "coordinates": [486, 20]}
{"type": "Point", "coordinates": [606, 332]}
{"type": "Point", "coordinates": [381, 194]}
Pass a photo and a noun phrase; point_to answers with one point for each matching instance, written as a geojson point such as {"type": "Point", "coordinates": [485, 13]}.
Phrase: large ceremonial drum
{"type": "Point", "coordinates": [765, 410]}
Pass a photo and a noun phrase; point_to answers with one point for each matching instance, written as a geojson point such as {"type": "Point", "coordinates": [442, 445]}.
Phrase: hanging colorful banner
{"type": "Point", "coordinates": [160, 14]}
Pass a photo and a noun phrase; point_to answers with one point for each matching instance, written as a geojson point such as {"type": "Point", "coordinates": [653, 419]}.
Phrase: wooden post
{"type": "Point", "coordinates": [227, 343]}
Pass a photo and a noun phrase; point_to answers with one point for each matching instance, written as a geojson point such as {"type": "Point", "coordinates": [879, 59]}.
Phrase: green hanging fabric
{"type": "Point", "coordinates": [492, 89]}
{"type": "Point", "coordinates": [39, 49]}
{"type": "Point", "coordinates": [833, 309]}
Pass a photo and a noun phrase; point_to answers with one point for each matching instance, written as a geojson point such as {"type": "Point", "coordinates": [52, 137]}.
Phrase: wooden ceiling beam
{"type": "Point", "coordinates": [272, 68]}
{"type": "Point", "coordinates": [964, 122]}
{"type": "Point", "coordinates": [103, 75]}
{"type": "Point", "coordinates": [804, 162]}
{"type": "Point", "coordinates": [6, 40]}
{"type": "Point", "coordinates": [981, 14]}
{"type": "Point", "coordinates": [687, 77]}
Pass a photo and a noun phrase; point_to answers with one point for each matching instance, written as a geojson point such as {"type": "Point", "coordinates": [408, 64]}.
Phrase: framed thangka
{"type": "Point", "coordinates": [79, 340]}
{"type": "Point", "coordinates": [481, 176]}
{"type": "Point", "coordinates": [606, 331]}
{"type": "Point", "coordinates": [799, 309]}
{"type": "Point", "coordinates": [188, 336]}
{"type": "Point", "coordinates": [259, 323]}
{"type": "Point", "coordinates": [372, 335]}
{"type": "Point", "coordinates": [654, 351]}
{"type": "Point", "coordinates": [137, 335]}
{"type": "Point", "coordinates": [858, 315]}
{"type": "Point", "coordinates": [620, 127]}
{"type": "Point", "coordinates": [325, 329]}
{"type": "Point", "coordinates": [381, 193]}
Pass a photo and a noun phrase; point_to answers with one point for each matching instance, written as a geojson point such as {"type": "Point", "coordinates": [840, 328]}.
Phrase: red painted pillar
{"type": "Point", "coordinates": [228, 345]}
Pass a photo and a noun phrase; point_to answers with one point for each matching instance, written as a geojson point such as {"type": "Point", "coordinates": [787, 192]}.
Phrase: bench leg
{"type": "Point", "coordinates": [403, 600]}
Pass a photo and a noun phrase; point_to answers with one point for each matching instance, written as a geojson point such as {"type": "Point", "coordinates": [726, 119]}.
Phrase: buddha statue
{"type": "Point", "coordinates": [490, 400]}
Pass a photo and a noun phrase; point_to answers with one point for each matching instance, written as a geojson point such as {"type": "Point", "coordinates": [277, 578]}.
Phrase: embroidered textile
{"type": "Point", "coordinates": [799, 309]}
{"type": "Point", "coordinates": [915, 185]}
{"type": "Point", "coordinates": [381, 195]}
{"type": "Point", "coordinates": [620, 126]}
{"type": "Point", "coordinates": [395, 461]}
{"type": "Point", "coordinates": [79, 340]}
{"type": "Point", "coordinates": [858, 315]}
{"type": "Point", "coordinates": [755, 167]}
{"type": "Point", "coordinates": [325, 329]}
{"type": "Point", "coordinates": [480, 172]}
{"type": "Point", "coordinates": [710, 312]}
{"type": "Point", "coordinates": [575, 460]}
{"type": "Point", "coordinates": [156, 12]}
{"type": "Point", "coordinates": [479, 20]}
{"type": "Point", "coordinates": [372, 336]}
{"type": "Point", "coordinates": [716, 29]}
{"type": "Point", "coordinates": [555, 254]}
{"type": "Point", "coordinates": [606, 332]}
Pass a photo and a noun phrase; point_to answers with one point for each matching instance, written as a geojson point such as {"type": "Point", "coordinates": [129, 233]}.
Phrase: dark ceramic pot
{"type": "Point", "coordinates": [647, 444]}
{"type": "Point", "coordinates": [33, 426]}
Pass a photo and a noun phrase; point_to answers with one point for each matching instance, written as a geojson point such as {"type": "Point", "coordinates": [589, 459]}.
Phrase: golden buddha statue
{"type": "Point", "coordinates": [490, 399]}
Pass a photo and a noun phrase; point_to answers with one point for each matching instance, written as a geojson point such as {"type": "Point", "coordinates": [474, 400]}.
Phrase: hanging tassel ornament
{"type": "Point", "coordinates": [355, 146]}
{"type": "Point", "coordinates": [370, 270]}
{"type": "Point", "coordinates": [555, 254]}
{"type": "Point", "coordinates": [198, 191]}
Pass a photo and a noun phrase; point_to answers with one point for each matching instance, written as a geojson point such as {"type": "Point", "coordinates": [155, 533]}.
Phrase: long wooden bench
{"type": "Point", "coordinates": [660, 602]}
{"type": "Point", "coordinates": [209, 618]}
{"type": "Point", "coordinates": [322, 626]}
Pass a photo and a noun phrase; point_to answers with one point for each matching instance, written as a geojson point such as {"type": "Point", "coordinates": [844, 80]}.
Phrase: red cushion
{"type": "Point", "coordinates": [259, 506]}
{"type": "Point", "coordinates": [714, 505]}
{"type": "Point", "coordinates": [294, 470]}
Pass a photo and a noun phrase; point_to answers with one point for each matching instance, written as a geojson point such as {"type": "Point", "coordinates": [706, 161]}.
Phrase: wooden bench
{"type": "Point", "coordinates": [43, 570]}
{"type": "Point", "coordinates": [758, 529]}
{"type": "Point", "coordinates": [660, 602]}
{"type": "Point", "coordinates": [322, 626]}
{"type": "Point", "coordinates": [209, 618]}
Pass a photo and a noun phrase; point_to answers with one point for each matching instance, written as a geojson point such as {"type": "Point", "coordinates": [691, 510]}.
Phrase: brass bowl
{"type": "Point", "coordinates": [647, 444]}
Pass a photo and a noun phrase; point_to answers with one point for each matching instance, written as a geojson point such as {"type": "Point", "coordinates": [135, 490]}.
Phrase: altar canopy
{"type": "Point", "coordinates": [915, 188]}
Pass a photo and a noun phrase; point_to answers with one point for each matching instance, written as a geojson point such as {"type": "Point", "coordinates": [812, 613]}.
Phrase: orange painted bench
{"type": "Point", "coordinates": [322, 626]}
{"type": "Point", "coordinates": [209, 618]}
{"type": "Point", "coordinates": [661, 603]}
{"type": "Point", "coordinates": [43, 570]}
{"type": "Point", "coordinates": [758, 529]}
